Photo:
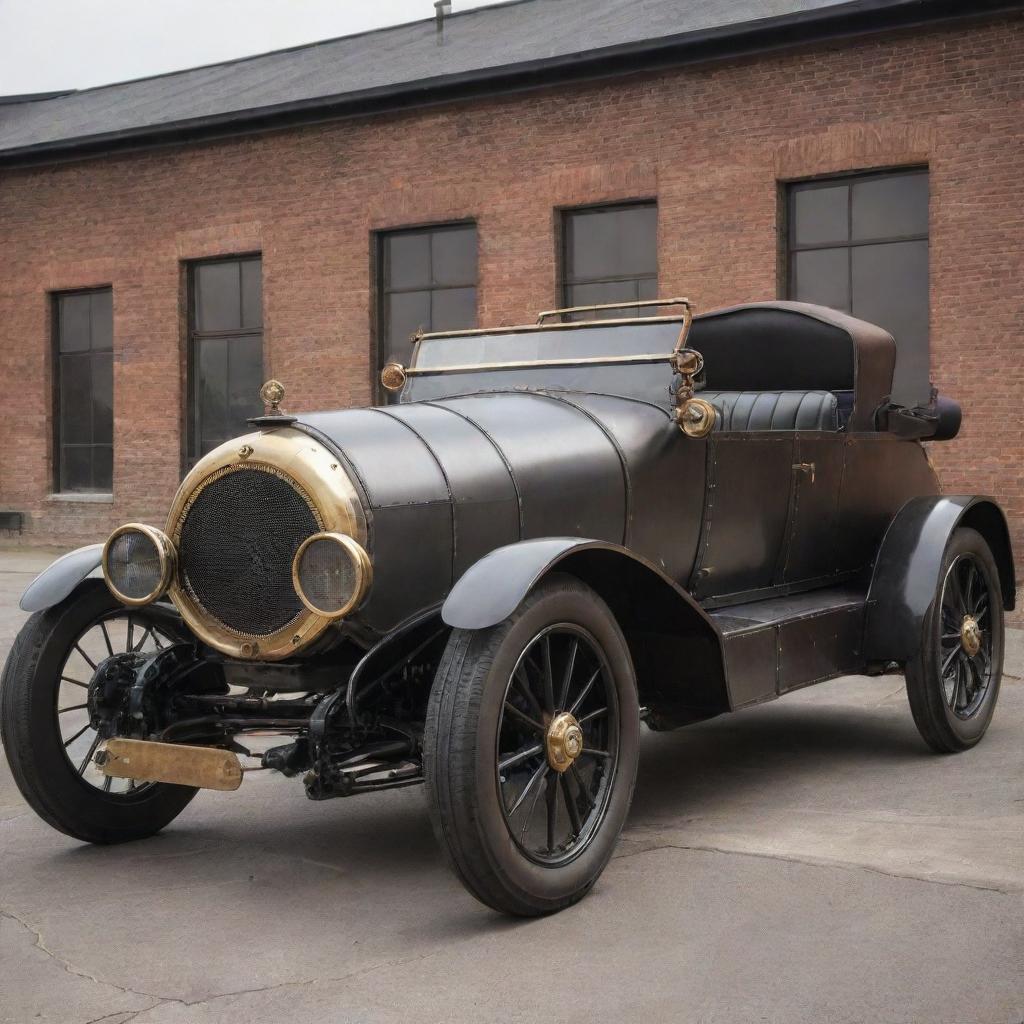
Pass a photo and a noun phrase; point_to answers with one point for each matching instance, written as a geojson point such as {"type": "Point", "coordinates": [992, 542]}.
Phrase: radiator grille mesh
{"type": "Point", "coordinates": [237, 541]}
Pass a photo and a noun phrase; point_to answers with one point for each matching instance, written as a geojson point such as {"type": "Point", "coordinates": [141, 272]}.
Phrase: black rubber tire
{"type": "Point", "coordinates": [943, 731]}
{"type": "Point", "coordinates": [32, 739]}
{"type": "Point", "coordinates": [460, 748]}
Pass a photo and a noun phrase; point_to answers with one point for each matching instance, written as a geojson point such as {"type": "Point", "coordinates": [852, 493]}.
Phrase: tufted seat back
{"type": "Point", "coordinates": [774, 410]}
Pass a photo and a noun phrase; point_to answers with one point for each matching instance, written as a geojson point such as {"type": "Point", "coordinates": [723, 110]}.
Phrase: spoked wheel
{"type": "Point", "coordinates": [530, 749]}
{"type": "Point", "coordinates": [557, 744]}
{"type": "Point", "coordinates": [119, 630]}
{"type": "Point", "coordinates": [45, 720]}
{"type": "Point", "coordinates": [953, 682]}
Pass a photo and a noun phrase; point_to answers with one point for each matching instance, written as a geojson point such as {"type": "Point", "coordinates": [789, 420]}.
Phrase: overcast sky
{"type": "Point", "coordinates": [72, 44]}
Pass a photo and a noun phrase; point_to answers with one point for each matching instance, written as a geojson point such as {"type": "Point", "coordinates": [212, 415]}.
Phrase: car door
{"type": "Point", "coordinates": [810, 548]}
{"type": "Point", "coordinates": [746, 512]}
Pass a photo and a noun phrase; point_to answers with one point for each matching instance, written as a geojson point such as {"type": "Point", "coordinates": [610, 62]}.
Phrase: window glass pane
{"type": "Point", "coordinates": [406, 312]}
{"type": "Point", "coordinates": [605, 291]}
{"type": "Point", "coordinates": [75, 399]}
{"type": "Point", "coordinates": [102, 468]}
{"type": "Point", "coordinates": [890, 288]}
{"type": "Point", "coordinates": [820, 215]}
{"type": "Point", "coordinates": [453, 256]}
{"type": "Point", "coordinates": [73, 322]}
{"type": "Point", "coordinates": [591, 245]}
{"type": "Point", "coordinates": [407, 260]}
{"type": "Point", "coordinates": [822, 276]}
{"type": "Point", "coordinates": [647, 288]}
{"type": "Point", "coordinates": [252, 293]}
{"type": "Point", "coordinates": [76, 468]}
{"type": "Point", "coordinates": [638, 240]}
{"type": "Point", "coordinates": [211, 390]}
{"type": "Point", "coordinates": [454, 309]}
{"type": "Point", "coordinates": [890, 207]}
{"type": "Point", "coordinates": [102, 398]}
{"type": "Point", "coordinates": [102, 320]}
{"type": "Point", "coordinates": [218, 297]}
{"type": "Point", "coordinates": [245, 375]}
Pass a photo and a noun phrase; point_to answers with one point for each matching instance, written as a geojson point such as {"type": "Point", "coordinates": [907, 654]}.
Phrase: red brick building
{"type": "Point", "coordinates": [169, 243]}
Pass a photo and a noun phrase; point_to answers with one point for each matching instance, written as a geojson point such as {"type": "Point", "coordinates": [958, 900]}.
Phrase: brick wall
{"type": "Point", "coordinates": [712, 143]}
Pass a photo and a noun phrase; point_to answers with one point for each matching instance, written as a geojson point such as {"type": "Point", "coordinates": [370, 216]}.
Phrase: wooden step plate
{"type": "Point", "coordinates": [146, 761]}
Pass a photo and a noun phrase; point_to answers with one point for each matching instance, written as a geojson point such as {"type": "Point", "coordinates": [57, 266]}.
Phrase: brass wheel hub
{"type": "Point", "coordinates": [564, 741]}
{"type": "Point", "coordinates": [970, 635]}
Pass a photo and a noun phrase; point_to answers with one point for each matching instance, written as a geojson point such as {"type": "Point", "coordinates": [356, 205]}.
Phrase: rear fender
{"type": "Point", "coordinates": [909, 561]}
{"type": "Point", "coordinates": [676, 648]}
{"type": "Point", "coordinates": [61, 577]}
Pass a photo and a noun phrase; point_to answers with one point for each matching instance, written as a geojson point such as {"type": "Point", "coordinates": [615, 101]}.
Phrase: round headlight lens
{"type": "Point", "coordinates": [138, 563]}
{"type": "Point", "coordinates": [331, 573]}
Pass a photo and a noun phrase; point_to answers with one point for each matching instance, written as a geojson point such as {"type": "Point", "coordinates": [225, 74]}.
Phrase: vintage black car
{"type": "Point", "coordinates": [557, 532]}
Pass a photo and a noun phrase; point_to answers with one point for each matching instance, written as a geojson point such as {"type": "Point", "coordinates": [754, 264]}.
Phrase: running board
{"type": "Point", "coordinates": [146, 761]}
{"type": "Point", "coordinates": [785, 643]}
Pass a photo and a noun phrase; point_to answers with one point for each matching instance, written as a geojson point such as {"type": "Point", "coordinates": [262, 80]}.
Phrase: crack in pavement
{"type": "Point", "coordinates": [69, 967]}
{"type": "Point", "coordinates": [160, 1000]}
{"type": "Point", "coordinates": [811, 862]}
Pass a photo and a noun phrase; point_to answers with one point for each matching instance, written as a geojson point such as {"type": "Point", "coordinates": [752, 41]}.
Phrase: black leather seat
{"type": "Point", "coordinates": [774, 410]}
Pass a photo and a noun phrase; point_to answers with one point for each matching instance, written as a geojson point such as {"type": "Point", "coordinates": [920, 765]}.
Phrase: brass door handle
{"type": "Point", "coordinates": [805, 467]}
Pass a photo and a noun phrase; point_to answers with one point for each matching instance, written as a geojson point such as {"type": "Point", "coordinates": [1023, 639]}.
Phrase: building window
{"type": "Point", "coordinates": [428, 280]}
{"type": "Point", "coordinates": [84, 391]}
{"type": "Point", "coordinates": [225, 350]}
{"type": "Point", "coordinates": [860, 244]}
{"type": "Point", "coordinates": [610, 253]}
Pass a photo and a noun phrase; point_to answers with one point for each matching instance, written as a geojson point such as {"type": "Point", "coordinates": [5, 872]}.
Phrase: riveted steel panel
{"type": "Point", "coordinates": [485, 504]}
{"type": "Point", "coordinates": [566, 469]}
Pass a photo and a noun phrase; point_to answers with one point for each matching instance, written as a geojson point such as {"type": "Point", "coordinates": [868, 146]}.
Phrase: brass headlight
{"type": "Point", "coordinates": [331, 574]}
{"type": "Point", "coordinates": [138, 563]}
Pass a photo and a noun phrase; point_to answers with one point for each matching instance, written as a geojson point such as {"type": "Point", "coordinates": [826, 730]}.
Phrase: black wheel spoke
{"type": "Point", "coordinates": [523, 755]}
{"type": "Point", "coordinates": [591, 715]}
{"type": "Point", "coordinates": [106, 638]}
{"type": "Point", "coordinates": [91, 663]}
{"type": "Point", "coordinates": [525, 719]}
{"type": "Point", "coordinates": [549, 677]}
{"type": "Point", "coordinates": [523, 679]}
{"type": "Point", "coordinates": [533, 807]}
{"type": "Point", "coordinates": [74, 707]}
{"type": "Point", "coordinates": [603, 754]}
{"type": "Point", "coordinates": [145, 636]}
{"type": "Point", "coordinates": [570, 666]}
{"type": "Point", "coordinates": [85, 728]}
{"type": "Point", "coordinates": [575, 773]}
{"type": "Point", "coordinates": [551, 797]}
{"type": "Point", "coordinates": [570, 804]}
{"type": "Point", "coordinates": [131, 636]}
{"type": "Point", "coordinates": [88, 757]}
{"type": "Point", "coordinates": [950, 658]}
{"type": "Point", "coordinates": [106, 783]}
{"type": "Point", "coordinates": [534, 779]}
{"type": "Point", "coordinates": [74, 682]}
{"type": "Point", "coordinates": [577, 703]}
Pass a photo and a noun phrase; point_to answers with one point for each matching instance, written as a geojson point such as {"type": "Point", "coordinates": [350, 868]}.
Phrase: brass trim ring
{"type": "Point", "coordinates": [165, 553]}
{"type": "Point", "coordinates": [361, 561]}
{"type": "Point", "coordinates": [320, 479]}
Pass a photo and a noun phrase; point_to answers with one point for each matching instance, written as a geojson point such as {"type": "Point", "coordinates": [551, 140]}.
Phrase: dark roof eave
{"type": "Point", "coordinates": [858, 17]}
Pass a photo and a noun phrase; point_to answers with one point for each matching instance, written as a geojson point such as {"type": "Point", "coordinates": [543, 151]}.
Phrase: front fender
{"type": "Point", "coordinates": [59, 578]}
{"type": "Point", "coordinates": [909, 561]}
{"type": "Point", "coordinates": [676, 648]}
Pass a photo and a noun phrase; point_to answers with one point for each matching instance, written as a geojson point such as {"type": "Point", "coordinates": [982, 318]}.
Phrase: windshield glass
{"type": "Point", "coordinates": [583, 342]}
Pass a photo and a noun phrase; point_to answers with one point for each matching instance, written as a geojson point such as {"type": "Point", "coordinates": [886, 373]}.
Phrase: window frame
{"type": "Point", "coordinates": [849, 178]}
{"type": "Point", "coordinates": [56, 461]}
{"type": "Point", "coordinates": [190, 450]}
{"type": "Point", "coordinates": [381, 291]}
{"type": "Point", "coordinates": [565, 281]}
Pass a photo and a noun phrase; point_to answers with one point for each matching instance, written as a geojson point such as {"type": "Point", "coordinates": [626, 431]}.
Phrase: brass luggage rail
{"type": "Point", "coordinates": [541, 317]}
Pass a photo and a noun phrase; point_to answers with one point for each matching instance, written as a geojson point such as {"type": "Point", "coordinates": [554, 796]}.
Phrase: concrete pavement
{"type": "Point", "coordinates": [806, 861]}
